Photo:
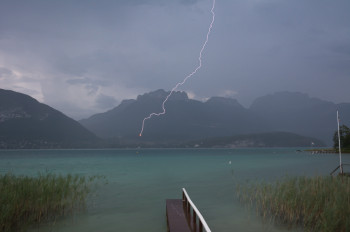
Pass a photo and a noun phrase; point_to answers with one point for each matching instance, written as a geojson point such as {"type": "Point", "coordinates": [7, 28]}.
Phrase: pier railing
{"type": "Point", "coordinates": [195, 217]}
{"type": "Point", "coordinates": [342, 168]}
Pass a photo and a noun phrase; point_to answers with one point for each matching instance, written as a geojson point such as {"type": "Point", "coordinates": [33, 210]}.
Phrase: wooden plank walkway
{"type": "Point", "coordinates": [181, 219]}
{"type": "Point", "coordinates": [176, 216]}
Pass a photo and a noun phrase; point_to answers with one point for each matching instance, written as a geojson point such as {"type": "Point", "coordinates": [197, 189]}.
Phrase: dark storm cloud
{"type": "Point", "coordinates": [82, 55]}
{"type": "Point", "coordinates": [79, 81]}
{"type": "Point", "coordinates": [343, 49]}
{"type": "Point", "coordinates": [92, 86]}
{"type": "Point", "coordinates": [282, 45]}
{"type": "Point", "coordinates": [147, 2]}
{"type": "Point", "coordinates": [105, 102]}
{"type": "Point", "coordinates": [4, 72]}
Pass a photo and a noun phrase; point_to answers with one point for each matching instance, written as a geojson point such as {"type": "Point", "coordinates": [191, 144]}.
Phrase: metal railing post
{"type": "Point", "coordinates": [194, 219]}
{"type": "Point", "coordinates": [201, 222]}
{"type": "Point", "coordinates": [188, 211]}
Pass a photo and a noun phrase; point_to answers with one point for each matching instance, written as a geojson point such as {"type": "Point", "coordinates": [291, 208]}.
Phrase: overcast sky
{"type": "Point", "coordinates": [85, 56]}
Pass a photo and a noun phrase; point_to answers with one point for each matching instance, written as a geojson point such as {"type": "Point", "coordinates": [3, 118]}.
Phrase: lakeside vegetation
{"type": "Point", "coordinates": [313, 203]}
{"type": "Point", "coordinates": [344, 132]}
{"type": "Point", "coordinates": [27, 201]}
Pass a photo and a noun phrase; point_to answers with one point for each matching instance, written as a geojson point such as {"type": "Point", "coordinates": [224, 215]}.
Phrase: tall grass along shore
{"type": "Point", "coordinates": [312, 203]}
{"type": "Point", "coordinates": [26, 201]}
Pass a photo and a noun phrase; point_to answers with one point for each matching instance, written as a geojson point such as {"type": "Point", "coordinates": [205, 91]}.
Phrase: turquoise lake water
{"type": "Point", "coordinates": [140, 180]}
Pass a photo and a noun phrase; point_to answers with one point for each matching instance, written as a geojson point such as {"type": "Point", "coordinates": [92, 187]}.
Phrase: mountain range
{"type": "Point", "coordinates": [26, 123]}
{"type": "Point", "coordinates": [292, 117]}
{"type": "Point", "coordinates": [188, 119]}
{"type": "Point", "coordinates": [185, 119]}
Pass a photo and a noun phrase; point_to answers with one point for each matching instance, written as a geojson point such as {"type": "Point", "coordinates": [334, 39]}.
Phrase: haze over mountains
{"type": "Point", "coordinates": [189, 119]}
{"type": "Point", "coordinates": [185, 118]}
{"type": "Point", "coordinates": [26, 123]}
{"type": "Point", "coordinates": [298, 113]}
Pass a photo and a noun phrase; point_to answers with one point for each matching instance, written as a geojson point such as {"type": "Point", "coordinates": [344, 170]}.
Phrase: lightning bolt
{"type": "Point", "coordinates": [188, 76]}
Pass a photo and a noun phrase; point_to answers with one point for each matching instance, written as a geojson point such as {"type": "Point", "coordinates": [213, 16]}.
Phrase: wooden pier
{"type": "Point", "coordinates": [183, 216]}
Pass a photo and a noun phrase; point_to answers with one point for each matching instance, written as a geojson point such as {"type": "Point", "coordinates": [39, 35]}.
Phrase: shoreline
{"type": "Point", "coordinates": [328, 151]}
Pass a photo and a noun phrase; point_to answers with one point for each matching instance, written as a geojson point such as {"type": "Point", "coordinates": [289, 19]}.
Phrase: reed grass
{"type": "Point", "coordinates": [25, 201]}
{"type": "Point", "coordinates": [315, 204]}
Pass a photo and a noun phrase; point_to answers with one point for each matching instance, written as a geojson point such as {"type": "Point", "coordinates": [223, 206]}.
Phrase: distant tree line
{"type": "Point", "coordinates": [344, 132]}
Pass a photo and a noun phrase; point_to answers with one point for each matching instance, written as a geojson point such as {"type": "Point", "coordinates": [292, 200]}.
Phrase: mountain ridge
{"type": "Point", "coordinates": [27, 123]}
{"type": "Point", "coordinates": [190, 119]}
{"type": "Point", "coordinates": [298, 113]}
{"type": "Point", "coordinates": [185, 118]}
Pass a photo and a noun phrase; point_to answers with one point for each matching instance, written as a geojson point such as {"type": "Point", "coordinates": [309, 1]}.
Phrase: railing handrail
{"type": "Point", "coordinates": [335, 170]}
{"type": "Point", "coordinates": [199, 215]}
{"type": "Point", "coordinates": [339, 167]}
